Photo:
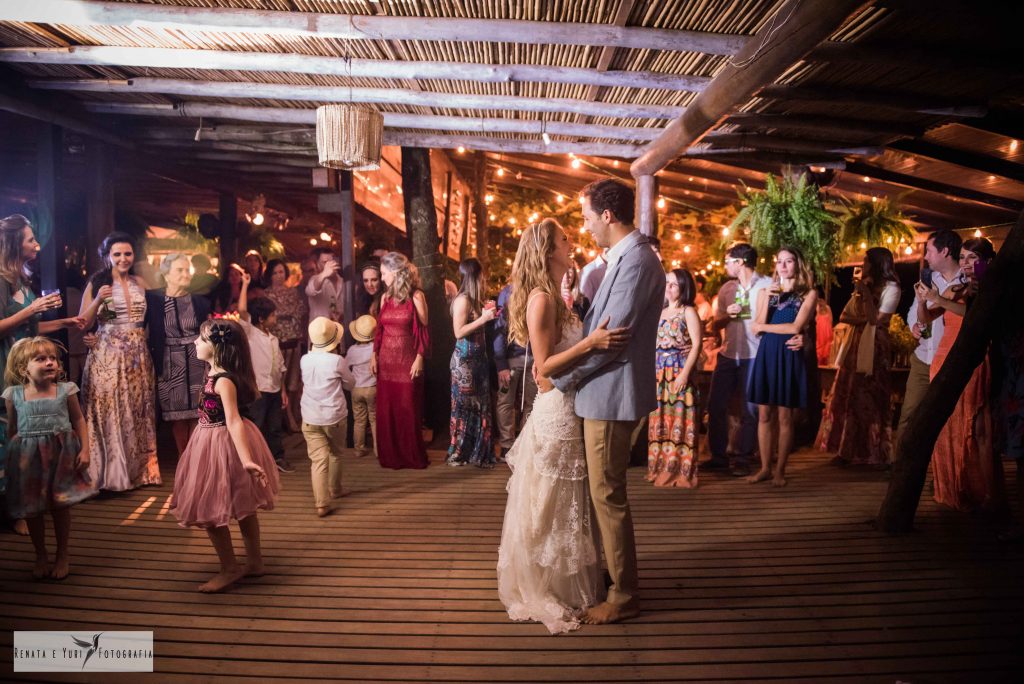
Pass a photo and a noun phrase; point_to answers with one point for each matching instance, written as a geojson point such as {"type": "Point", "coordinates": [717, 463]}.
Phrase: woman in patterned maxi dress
{"type": "Point", "coordinates": [672, 427]}
{"type": "Point", "coordinates": [118, 381]}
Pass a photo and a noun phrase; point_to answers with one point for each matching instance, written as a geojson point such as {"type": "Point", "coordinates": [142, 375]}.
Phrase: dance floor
{"type": "Point", "coordinates": [739, 582]}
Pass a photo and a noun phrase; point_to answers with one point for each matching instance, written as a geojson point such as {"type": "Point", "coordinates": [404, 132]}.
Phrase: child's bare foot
{"type": "Point", "coordinates": [60, 570]}
{"type": "Point", "coordinates": [222, 580]}
{"type": "Point", "coordinates": [778, 481]}
{"type": "Point", "coordinates": [605, 613]}
{"type": "Point", "coordinates": [341, 494]}
{"type": "Point", "coordinates": [254, 569]}
{"type": "Point", "coordinates": [323, 511]}
{"type": "Point", "coordinates": [759, 476]}
{"type": "Point", "coordinates": [42, 567]}
{"type": "Point", "coordinates": [21, 527]}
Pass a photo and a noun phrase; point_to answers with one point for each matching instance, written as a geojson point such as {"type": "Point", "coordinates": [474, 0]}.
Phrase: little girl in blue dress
{"type": "Point", "coordinates": [47, 466]}
{"type": "Point", "coordinates": [778, 379]}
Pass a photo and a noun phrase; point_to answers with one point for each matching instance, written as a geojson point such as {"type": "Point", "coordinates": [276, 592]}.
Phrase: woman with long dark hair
{"type": "Point", "coordinates": [470, 425]}
{"type": "Point", "coordinates": [118, 380]}
{"type": "Point", "coordinates": [857, 421]}
{"type": "Point", "coordinates": [673, 427]}
{"type": "Point", "coordinates": [968, 475]}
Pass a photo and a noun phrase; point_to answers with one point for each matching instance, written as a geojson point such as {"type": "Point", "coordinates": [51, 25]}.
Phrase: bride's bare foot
{"type": "Point", "coordinates": [778, 480]}
{"type": "Point", "coordinates": [254, 569]}
{"type": "Point", "coordinates": [759, 476]}
{"type": "Point", "coordinates": [61, 568]}
{"type": "Point", "coordinates": [42, 567]}
{"type": "Point", "coordinates": [222, 580]}
{"type": "Point", "coordinates": [606, 613]}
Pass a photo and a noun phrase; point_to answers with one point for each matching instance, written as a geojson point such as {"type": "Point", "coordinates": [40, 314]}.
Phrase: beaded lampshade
{"type": "Point", "coordinates": [349, 137]}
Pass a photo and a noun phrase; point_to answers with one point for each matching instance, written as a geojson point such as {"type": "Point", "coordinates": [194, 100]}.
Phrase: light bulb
{"type": "Point", "coordinates": [686, 249]}
{"type": "Point", "coordinates": [661, 202]}
{"type": "Point", "coordinates": [312, 241]}
{"type": "Point", "coordinates": [576, 163]}
{"type": "Point", "coordinates": [546, 137]}
{"type": "Point", "coordinates": [677, 235]}
{"type": "Point", "coordinates": [460, 149]}
{"type": "Point", "coordinates": [501, 172]}
{"type": "Point", "coordinates": [257, 220]}
{"type": "Point", "coordinates": [977, 233]}
{"type": "Point", "coordinates": [325, 236]}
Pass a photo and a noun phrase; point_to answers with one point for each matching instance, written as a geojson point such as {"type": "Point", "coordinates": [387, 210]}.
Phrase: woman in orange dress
{"type": "Point", "coordinates": [967, 475]}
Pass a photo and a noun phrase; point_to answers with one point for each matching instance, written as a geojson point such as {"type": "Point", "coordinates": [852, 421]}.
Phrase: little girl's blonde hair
{"type": "Point", "coordinates": [23, 351]}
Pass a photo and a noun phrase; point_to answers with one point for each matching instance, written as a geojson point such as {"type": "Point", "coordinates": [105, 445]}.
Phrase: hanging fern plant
{"type": "Point", "coordinates": [873, 222]}
{"type": "Point", "coordinates": [790, 213]}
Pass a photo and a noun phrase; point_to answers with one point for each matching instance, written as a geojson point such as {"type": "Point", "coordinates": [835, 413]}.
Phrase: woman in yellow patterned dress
{"type": "Point", "coordinates": [673, 428]}
{"type": "Point", "coordinates": [118, 380]}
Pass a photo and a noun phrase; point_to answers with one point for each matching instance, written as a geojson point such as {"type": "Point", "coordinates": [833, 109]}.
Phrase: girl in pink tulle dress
{"type": "Point", "coordinates": [226, 471]}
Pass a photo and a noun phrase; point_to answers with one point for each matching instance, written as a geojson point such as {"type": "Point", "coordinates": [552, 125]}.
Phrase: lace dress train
{"type": "Point", "coordinates": [548, 565]}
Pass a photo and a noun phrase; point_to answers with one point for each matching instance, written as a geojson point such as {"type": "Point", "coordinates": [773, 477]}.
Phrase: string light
{"type": "Point", "coordinates": [863, 245]}
{"type": "Point", "coordinates": [512, 220]}
{"type": "Point", "coordinates": [325, 236]}
{"type": "Point", "coordinates": [576, 163]}
{"type": "Point", "coordinates": [559, 199]}
{"type": "Point", "coordinates": [579, 250]}
{"type": "Point", "coordinates": [725, 232]}
{"type": "Point", "coordinates": [501, 172]}
{"type": "Point", "coordinates": [874, 198]}
{"type": "Point", "coordinates": [492, 216]}
{"type": "Point", "coordinates": [508, 261]}
{"type": "Point", "coordinates": [257, 220]}
{"type": "Point", "coordinates": [546, 138]}
{"type": "Point", "coordinates": [533, 217]}
{"type": "Point", "coordinates": [583, 231]}
{"type": "Point", "coordinates": [592, 254]}
{"type": "Point", "coordinates": [661, 202]}
{"type": "Point", "coordinates": [909, 250]}
{"type": "Point", "coordinates": [1014, 145]}
{"type": "Point", "coordinates": [460, 149]}
{"type": "Point", "coordinates": [977, 233]}
{"type": "Point", "coordinates": [312, 241]}
{"type": "Point", "coordinates": [488, 199]}
{"type": "Point", "coordinates": [686, 249]}
{"type": "Point", "coordinates": [867, 179]}
{"type": "Point", "coordinates": [677, 235]}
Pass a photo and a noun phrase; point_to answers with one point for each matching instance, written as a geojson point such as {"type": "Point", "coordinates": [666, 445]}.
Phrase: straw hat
{"type": "Point", "coordinates": [325, 334]}
{"type": "Point", "coordinates": [363, 328]}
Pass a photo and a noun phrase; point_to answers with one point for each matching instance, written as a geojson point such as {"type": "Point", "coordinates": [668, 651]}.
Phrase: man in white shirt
{"type": "Point", "coordinates": [734, 315]}
{"type": "Point", "coordinates": [592, 275]}
{"type": "Point", "coordinates": [326, 289]}
{"type": "Point", "coordinates": [942, 254]}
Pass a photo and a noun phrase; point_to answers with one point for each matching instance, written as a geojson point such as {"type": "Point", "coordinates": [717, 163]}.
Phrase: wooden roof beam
{"type": "Point", "coordinates": [797, 28]}
{"type": "Point", "coordinates": [230, 60]}
{"type": "Point", "coordinates": [307, 93]}
{"type": "Point", "coordinates": [968, 160]}
{"type": "Point", "coordinates": [921, 104]}
{"type": "Point", "coordinates": [780, 143]}
{"type": "Point", "coordinates": [363, 27]}
{"type": "Point", "coordinates": [825, 124]}
{"type": "Point", "coordinates": [285, 115]}
{"type": "Point", "coordinates": [917, 182]}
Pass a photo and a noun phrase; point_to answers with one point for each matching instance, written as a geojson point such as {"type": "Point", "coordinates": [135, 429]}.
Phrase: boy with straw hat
{"type": "Point", "coordinates": [325, 376]}
{"type": "Point", "coordinates": [364, 394]}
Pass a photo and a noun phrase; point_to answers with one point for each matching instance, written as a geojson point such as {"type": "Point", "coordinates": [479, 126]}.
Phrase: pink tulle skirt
{"type": "Point", "coordinates": [210, 485]}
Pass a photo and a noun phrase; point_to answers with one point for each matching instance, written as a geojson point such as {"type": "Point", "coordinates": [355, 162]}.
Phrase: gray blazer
{"type": "Point", "coordinates": [621, 384]}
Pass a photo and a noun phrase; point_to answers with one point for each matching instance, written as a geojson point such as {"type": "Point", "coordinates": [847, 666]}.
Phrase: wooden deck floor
{"type": "Point", "coordinates": [740, 582]}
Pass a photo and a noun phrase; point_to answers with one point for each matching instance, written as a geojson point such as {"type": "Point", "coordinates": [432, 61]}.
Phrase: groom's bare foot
{"type": "Point", "coordinates": [759, 476]}
{"type": "Point", "coordinates": [606, 613]}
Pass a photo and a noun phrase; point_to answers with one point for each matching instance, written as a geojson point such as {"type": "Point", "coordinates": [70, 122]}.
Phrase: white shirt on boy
{"type": "Point", "coordinates": [325, 376]}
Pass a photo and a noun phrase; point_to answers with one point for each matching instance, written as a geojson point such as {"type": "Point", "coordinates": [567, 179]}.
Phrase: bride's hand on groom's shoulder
{"type": "Point", "coordinates": [602, 338]}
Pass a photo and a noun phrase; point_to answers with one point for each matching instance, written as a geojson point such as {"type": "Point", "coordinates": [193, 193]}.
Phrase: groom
{"type": "Point", "coordinates": [616, 388]}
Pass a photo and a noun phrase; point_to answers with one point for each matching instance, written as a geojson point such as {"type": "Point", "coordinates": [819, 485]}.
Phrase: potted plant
{"type": "Point", "coordinates": [874, 222]}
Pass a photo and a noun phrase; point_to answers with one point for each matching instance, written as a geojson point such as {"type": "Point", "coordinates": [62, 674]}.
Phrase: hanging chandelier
{"type": "Point", "coordinates": [349, 137]}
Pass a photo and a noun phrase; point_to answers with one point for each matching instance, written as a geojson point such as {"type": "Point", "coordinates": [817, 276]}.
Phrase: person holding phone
{"type": "Point", "coordinates": [942, 267]}
{"type": "Point", "coordinates": [968, 476]}
{"type": "Point", "coordinates": [326, 289]}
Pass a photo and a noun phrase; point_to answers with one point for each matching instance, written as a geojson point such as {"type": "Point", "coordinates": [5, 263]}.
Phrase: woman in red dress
{"type": "Point", "coordinates": [399, 349]}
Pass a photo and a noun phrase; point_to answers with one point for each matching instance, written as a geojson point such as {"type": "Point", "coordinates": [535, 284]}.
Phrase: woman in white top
{"type": "Point", "coordinates": [857, 422]}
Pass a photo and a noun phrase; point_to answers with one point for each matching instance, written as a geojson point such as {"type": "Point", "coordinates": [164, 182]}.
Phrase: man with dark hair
{"type": "Point", "coordinates": [734, 316]}
{"type": "Point", "coordinates": [942, 256]}
{"type": "Point", "coordinates": [326, 289]}
{"type": "Point", "coordinates": [616, 388]}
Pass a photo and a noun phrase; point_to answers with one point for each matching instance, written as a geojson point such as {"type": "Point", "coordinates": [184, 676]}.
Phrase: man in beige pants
{"type": "Point", "coordinates": [616, 388]}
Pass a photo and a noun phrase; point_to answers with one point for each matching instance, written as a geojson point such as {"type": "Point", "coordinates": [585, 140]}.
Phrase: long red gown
{"type": "Point", "coordinates": [400, 337]}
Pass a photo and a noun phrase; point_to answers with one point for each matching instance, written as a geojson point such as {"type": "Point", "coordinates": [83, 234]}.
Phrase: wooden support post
{"type": "Point", "coordinates": [646, 205]}
{"type": "Point", "coordinates": [447, 228]}
{"type": "Point", "coordinates": [466, 225]}
{"type": "Point", "coordinates": [348, 244]}
{"type": "Point", "coordinates": [421, 226]}
{"type": "Point", "coordinates": [480, 209]}
{"type": "Point", "coordinates": [48, 229]}
{"type": "Point", "coordinates": [228, 231]}
{"type": "Point", "coordinates": [996, 296]}
{"type": "Point", "coordinates": [99, 197]}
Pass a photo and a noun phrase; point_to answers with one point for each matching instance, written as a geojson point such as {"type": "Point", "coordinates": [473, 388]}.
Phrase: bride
{"type": "Point", "coordinates": [548, 564]}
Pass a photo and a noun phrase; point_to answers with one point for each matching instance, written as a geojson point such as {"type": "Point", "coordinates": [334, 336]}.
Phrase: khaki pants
{"type": "Point", "coordinates": [917, 384]}
{"type": "Point", "coordinates": [608, 447]}
{"type": "Point", "coordinates": [364, 408]}
{"type": "Point", "coordinates": [324, 444]}
{"type": "Point", "coordinates": [508, 404]}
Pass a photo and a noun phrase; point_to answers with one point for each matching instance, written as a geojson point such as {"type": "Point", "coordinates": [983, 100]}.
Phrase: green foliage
{"type": "Point", "coordinates": [264, 242]}
{"type": "Point", "coordinates": [791, 213]}
{"type": "Point", "coordinates": [874, 222]}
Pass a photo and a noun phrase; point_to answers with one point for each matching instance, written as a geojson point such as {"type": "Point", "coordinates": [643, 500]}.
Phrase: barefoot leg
{"type": "Point", "coordinates": [764, 443]}
{"type": "Point", "coordinates": [20, 527]}
{"type": "Point", "coordinates": [230, 571]}
{"type": "Point", "coordinates": [785, 445]}
{"type": "Point", "coordinates": [37, 533]}
{"type": "Point", "coordinates": [62, 528]}
{"type": "Point", "coordinates": [253, 554]}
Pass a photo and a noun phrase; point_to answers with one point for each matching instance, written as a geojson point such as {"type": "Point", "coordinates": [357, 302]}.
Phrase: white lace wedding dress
{"type": "Point", "coordinates": [548, 566]}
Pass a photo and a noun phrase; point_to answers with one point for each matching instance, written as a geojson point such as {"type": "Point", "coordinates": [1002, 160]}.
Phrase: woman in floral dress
{"type": "Point", "coordinates": [470, 425]}
{"type": "Point", "coordinates": [289, 329]}
{"type": "Point", "coordinates": [118, 380]}
{"type": "Point", "coordinates": [672, 427]}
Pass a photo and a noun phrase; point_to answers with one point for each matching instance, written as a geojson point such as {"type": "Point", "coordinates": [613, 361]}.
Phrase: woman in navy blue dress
{"type": "Point", "coordinates": [778, 380]}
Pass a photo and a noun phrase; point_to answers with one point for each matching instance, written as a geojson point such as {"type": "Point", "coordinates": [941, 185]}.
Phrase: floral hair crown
{"type": "Point", "coordinates": [221, 334]}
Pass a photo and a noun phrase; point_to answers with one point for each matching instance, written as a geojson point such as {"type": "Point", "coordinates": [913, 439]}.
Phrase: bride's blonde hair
{"type": "Point", "coordinates": [530, 272]}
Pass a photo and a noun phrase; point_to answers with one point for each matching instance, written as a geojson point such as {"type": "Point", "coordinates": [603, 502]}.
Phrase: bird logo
{"type": "Point", "coordinates": [92, 647]}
